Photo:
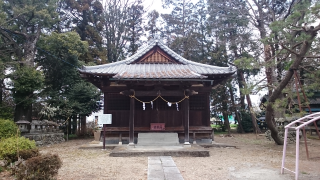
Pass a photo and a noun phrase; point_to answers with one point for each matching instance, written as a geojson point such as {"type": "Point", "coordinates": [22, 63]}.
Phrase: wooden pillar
{"type": "Point", "coordinates": [206, 120]}
{"type": "Point", "coordinates": [120, 139]}
{"type": "Point", "coordinates": [131, 122]}
{"type": "Point", "coordinates": [105, 103]}
{"type": "Point", "coordinates": [186, 121]}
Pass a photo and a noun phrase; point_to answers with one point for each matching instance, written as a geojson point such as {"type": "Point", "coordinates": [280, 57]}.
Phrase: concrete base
{"type": "Point", "coordinates": [144, 151]}
{"type": "Point", "coordinates": [115, 140]}
{"type": "Point", "coordinates": [158, 139]}
{"type": "Point", "coordinates": [196, 141]}
{"type": "Point", "coordinates": [187, 145]}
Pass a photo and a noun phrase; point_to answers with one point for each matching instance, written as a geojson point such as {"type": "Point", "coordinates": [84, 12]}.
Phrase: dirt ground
{"type": "Point", "coordinates": [253, 155]}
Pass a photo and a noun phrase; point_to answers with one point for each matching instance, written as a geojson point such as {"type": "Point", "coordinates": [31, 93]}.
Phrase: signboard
{"type": "Point", "coordinates": [104, 119]}
{"type": "Point", "coordinates": [157, 126]}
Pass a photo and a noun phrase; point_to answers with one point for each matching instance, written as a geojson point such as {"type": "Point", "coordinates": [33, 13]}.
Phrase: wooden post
{"type": "Point", "coordinates": [131, 122]}
{"type": "Point", "coordinates": [206, 120]}
{"type": "Point", "coordinates": [186, 121]}
{"type": "Point", "coordinates": [194, 138]}
{"type": "Point", "coordinates": [120, 139]}
{"type": "Point", "coordinates": [104, 136]}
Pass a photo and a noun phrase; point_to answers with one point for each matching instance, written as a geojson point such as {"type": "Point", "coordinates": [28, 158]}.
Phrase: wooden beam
{"type": "Point", "coordinates": [114, 88]}
{"type": "Point", "coordinates": [156, 93]}
{"type": "Point", "coordinates": [146, 82]}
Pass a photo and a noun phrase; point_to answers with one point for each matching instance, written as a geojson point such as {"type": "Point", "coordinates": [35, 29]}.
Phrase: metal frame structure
{"type": "Point", "coordinates": [301, 123]}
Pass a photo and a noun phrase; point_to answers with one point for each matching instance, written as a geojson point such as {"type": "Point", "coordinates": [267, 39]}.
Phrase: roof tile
{"type": "Point", "coordinates": [128, 69]}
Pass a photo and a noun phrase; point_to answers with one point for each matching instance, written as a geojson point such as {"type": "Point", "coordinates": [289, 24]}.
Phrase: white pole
{"type": "Point", "coordinates": [284, 149]}
{"type": "Point", "coordinates": [297, 154]}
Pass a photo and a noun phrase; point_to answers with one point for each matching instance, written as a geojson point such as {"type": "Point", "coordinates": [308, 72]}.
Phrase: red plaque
{"type": "Point", "coordinates": [157, 126]}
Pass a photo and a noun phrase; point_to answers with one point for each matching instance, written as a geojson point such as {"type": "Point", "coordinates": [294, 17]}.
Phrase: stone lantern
{"type": "Point", "coordinates": [23, 125]}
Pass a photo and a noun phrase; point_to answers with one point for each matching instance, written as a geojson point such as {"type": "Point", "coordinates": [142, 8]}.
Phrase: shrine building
{"type": "Point", "coordinates": [157, 90]}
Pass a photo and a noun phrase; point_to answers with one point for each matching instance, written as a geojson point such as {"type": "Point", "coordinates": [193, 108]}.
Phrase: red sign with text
{"type": "Point", "coordinates": [157, 126]}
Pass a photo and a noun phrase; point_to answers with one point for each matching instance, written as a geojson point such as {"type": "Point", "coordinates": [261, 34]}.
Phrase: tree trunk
{"type": "Point", "coordinates": [74, 124]}
{"type": "Point", "coordinates": [29, 48]}
{"type": "Point", "coordinates": [235, 110]}
{"type": "Point", "coordinates": [22, 110]}
{"type": "Point", "coordinates": [239, 78]}
{"type": "Point", "coordinates": [253, 116]}
{"type": "Point", "coordinates": [225, 110]}
{"type": "Point", "coordinates": [69, 124]}
{"type": "Point", "coordinates": [83, 123]}
{"type": "Point", "coordinates": [1, 90]}
{"type": "Point", "coordinates": [79, 128]}
{"type": "Point", "coordinates": [305, 46]}
{"type": "Point", "coordinates": [226, 121]}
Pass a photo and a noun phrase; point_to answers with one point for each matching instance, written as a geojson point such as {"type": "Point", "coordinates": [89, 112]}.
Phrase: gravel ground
{"type": "Point", "coordinates": [253, 154]}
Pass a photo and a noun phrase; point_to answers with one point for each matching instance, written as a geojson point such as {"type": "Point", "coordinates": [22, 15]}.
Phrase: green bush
{"type": "Point", "coordinates": [9, 147]}
{"type": "Point", "coordinates": [219, 127]}
{"type": "Point", "coordinates": [8, 129]}
{"type": "Point", "coordinates": [233, 125]}
{"type": "Point", "coordinates": [42, 167]}
{"type": "Point", "coordinates": [246, 121]}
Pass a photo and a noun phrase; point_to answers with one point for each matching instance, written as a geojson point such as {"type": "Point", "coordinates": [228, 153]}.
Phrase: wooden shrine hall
{"type": "Point", "coordinates": [157, 90]}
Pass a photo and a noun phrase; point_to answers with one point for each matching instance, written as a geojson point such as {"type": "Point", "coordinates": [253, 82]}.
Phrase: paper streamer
{"type": "Point", "coordinates": [177, 106]}
{"type": "Point", "coordinates": [169, 104]}
{"type": "Point", "coordinates": [144, 106]}
{"type": "Point", "coordinates": [151, 102]}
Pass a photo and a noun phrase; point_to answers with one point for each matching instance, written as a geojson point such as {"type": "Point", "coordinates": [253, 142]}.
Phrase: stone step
{"type": "Point", "coordinates": [163, 167]}
{"type": "Point", "coordinates": [161, 139]}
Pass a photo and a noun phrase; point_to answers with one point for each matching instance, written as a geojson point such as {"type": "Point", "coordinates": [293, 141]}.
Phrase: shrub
{"type": "Point", "coordinates": [29, 153]}
{"type": "Point", "coordinates": [42, 167]}
{"type": "Point", "coordinates": [9, 147]}
{"type": "Point", "coordinates": [8, 129]}
{"type": "Point", "coordinates": [246, 121]}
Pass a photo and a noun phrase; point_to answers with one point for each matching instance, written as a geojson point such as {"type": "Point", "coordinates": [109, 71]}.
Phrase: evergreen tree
{"type": "Point", "coordinates": [180, 27]}
{"type": "Point", "coordinates": [228, 25]}
{"type": "Point", "coordinates": [152, 26]}
{"type": "Point", "coordinates": [135, 30]}
{"type": "Point", "coordinates": [63, 86]}
{"type": "Point", "coordinates": [294, 36]}
{"type": "Point", "coordinates": [87, 17]}
{"type": "Point", "coordinates": [22, 27]}
{"type": "Point", "coordinates": [116, 28]}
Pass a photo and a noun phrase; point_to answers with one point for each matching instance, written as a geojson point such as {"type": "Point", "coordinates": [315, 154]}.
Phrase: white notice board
{"type": "Point", "coordinates": [104, 119]}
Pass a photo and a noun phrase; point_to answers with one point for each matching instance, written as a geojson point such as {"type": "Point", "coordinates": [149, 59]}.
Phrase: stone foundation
{"type": "Point", "coordinates": [46, 139]}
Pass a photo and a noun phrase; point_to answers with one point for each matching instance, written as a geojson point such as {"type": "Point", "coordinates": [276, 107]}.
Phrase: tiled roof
{"type": "Point", "coordinates": [182, 69]}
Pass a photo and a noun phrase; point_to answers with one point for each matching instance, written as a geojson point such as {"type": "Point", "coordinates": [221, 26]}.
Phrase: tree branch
{"type": "Point", "coordinates": [296, 45]}
{"type": "Point", "coordinates": [312, 56]}
{"type": "Point", "coordinates": [286, 48]}
{"type": "Point", "coordinates": [289, 10]}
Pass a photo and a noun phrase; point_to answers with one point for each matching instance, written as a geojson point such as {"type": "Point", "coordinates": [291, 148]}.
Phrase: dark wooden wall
{"type": "Point", "coordinates": [119, 106]}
